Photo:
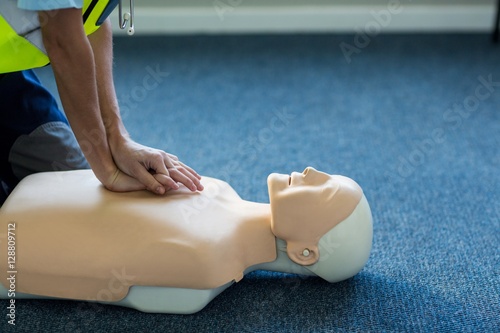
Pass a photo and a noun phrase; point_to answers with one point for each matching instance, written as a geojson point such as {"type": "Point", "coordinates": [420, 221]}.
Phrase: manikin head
{"type": "Point", "coordinates": [325, 221]}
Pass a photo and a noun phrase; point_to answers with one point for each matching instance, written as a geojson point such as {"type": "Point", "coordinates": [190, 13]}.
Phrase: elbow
{"type": "Point", "coordinates": [59, 52]}
{"type": "Point", "coordinates": [54, 45]}
{"type": "Point", "coordinates": [62, 33]}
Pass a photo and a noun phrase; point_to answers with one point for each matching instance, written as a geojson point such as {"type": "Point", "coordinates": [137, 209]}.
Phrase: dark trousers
{"type": "Point", "coordinates": [35, 134]}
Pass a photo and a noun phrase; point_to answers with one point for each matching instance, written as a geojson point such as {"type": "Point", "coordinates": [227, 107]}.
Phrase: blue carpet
{"type": "Point", "coordinates": [411, 118]}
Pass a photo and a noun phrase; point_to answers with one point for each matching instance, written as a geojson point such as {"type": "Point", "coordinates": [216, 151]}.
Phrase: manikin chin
{"type": "Point", "coordinates": [175, 253]}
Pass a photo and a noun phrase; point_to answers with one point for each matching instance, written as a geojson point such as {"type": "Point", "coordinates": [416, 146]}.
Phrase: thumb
{"type": "Point", "coordinates": [147, 179]}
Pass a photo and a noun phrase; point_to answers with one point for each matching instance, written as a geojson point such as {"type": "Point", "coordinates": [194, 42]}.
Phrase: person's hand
{"type": "Point", "coordinates": [155, 169]}
{"type": "Point", "coordinates": [121, 182]}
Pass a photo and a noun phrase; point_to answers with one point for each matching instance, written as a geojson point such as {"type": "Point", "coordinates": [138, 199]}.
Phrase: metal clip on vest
{"type": "Point", "coordinates": [128, 16]}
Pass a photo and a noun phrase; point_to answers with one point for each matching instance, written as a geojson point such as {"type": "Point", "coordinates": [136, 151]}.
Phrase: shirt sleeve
{"type": "Point", "coordinates": [48, 4]}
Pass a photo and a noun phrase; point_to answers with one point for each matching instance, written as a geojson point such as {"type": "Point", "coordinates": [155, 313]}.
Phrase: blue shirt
{"type": "Point", "coordinates": [48, 4]}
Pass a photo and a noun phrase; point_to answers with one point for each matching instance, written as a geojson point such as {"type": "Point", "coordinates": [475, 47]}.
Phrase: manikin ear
{"type": "Point", "coordinates": [304, 254]}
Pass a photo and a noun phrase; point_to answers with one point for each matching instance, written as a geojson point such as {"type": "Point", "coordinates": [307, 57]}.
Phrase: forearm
{"type": "Point", "coordinates": [102, 48]}
{"type": "Point", "coordinates": [74, 70]}
{"type": "Point", "coordinates": [83, 70]}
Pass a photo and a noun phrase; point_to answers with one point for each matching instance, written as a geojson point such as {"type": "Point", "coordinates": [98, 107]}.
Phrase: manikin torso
{"type": "Point", "coordinates": [198, 240]}
{"type": "Point", "coordinates": [77, 240]}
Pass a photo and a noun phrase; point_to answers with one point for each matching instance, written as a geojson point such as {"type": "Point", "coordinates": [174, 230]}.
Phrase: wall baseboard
{"type": "Point", "coordinates": [226, 19]}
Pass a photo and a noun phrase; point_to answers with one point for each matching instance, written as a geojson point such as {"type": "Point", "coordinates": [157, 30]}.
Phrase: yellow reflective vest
{"type": "Point", "coordinates": [21, 45]}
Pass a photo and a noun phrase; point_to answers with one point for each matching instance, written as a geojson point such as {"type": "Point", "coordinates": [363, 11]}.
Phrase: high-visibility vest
{"type": "Point", "coordinates": [21, 45]}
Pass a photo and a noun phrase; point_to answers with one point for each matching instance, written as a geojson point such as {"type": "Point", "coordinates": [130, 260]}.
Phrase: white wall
{"type": "Point", "coordinates": [284, 16]}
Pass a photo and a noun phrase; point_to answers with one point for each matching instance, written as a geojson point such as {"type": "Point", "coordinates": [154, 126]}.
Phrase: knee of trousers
{"type": "Point", "coordinates": [50, 147]}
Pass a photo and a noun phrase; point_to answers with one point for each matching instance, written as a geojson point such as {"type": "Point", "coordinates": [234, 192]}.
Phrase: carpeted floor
{"type": "Point", "coordinates": [414, 119]}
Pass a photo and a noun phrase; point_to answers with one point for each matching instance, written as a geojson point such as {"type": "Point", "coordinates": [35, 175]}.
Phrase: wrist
{"type": "Point", "coordinates": [105, 171]}
{"type": "Point", "coordinates": [117, 140]}
{"type": "Point", "coordinates": [116, 133]}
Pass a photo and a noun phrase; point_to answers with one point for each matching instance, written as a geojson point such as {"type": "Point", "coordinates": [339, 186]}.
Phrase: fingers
{"type": "Point", "coordinates": [179, 176]}
{"type": "Point", "coordinates": [191, 171]}
{"type": "Point", "coordinates": [157, 166]}
{"type": "Point", "coordinates": [173, 172]}
{"type": "Point", "coordinates": [151, 183]}
{"type": "Point", "coordinates": [192, 175]}
{"type": "Point", "coordinates": [172, 156]}
{"type": "Point", "coordinates": [164, 179]}
{"type": "Point", "coordinates": [183, 174]}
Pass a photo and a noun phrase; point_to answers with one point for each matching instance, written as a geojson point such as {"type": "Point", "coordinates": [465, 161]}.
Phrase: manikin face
{"type": "Point", "coordinates": [305, 206]}
{"type": "Point", "coordinates": [310, 180]}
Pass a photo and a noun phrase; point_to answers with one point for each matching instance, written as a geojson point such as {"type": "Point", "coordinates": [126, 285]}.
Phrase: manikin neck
{"type": "Point", "coordinates": [283, 264]}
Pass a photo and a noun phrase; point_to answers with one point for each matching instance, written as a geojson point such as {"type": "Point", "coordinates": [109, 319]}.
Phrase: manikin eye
{"type": "Point", "coordinates": [289, 180]}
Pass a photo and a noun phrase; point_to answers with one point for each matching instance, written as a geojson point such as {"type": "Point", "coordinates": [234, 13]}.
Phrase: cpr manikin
{"type": "Point", "coordinates": [175, 253]}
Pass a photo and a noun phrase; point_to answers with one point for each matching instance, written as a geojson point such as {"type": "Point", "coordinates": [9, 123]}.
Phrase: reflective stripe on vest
{"type": "Point", "coordinates": [21, 45]}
